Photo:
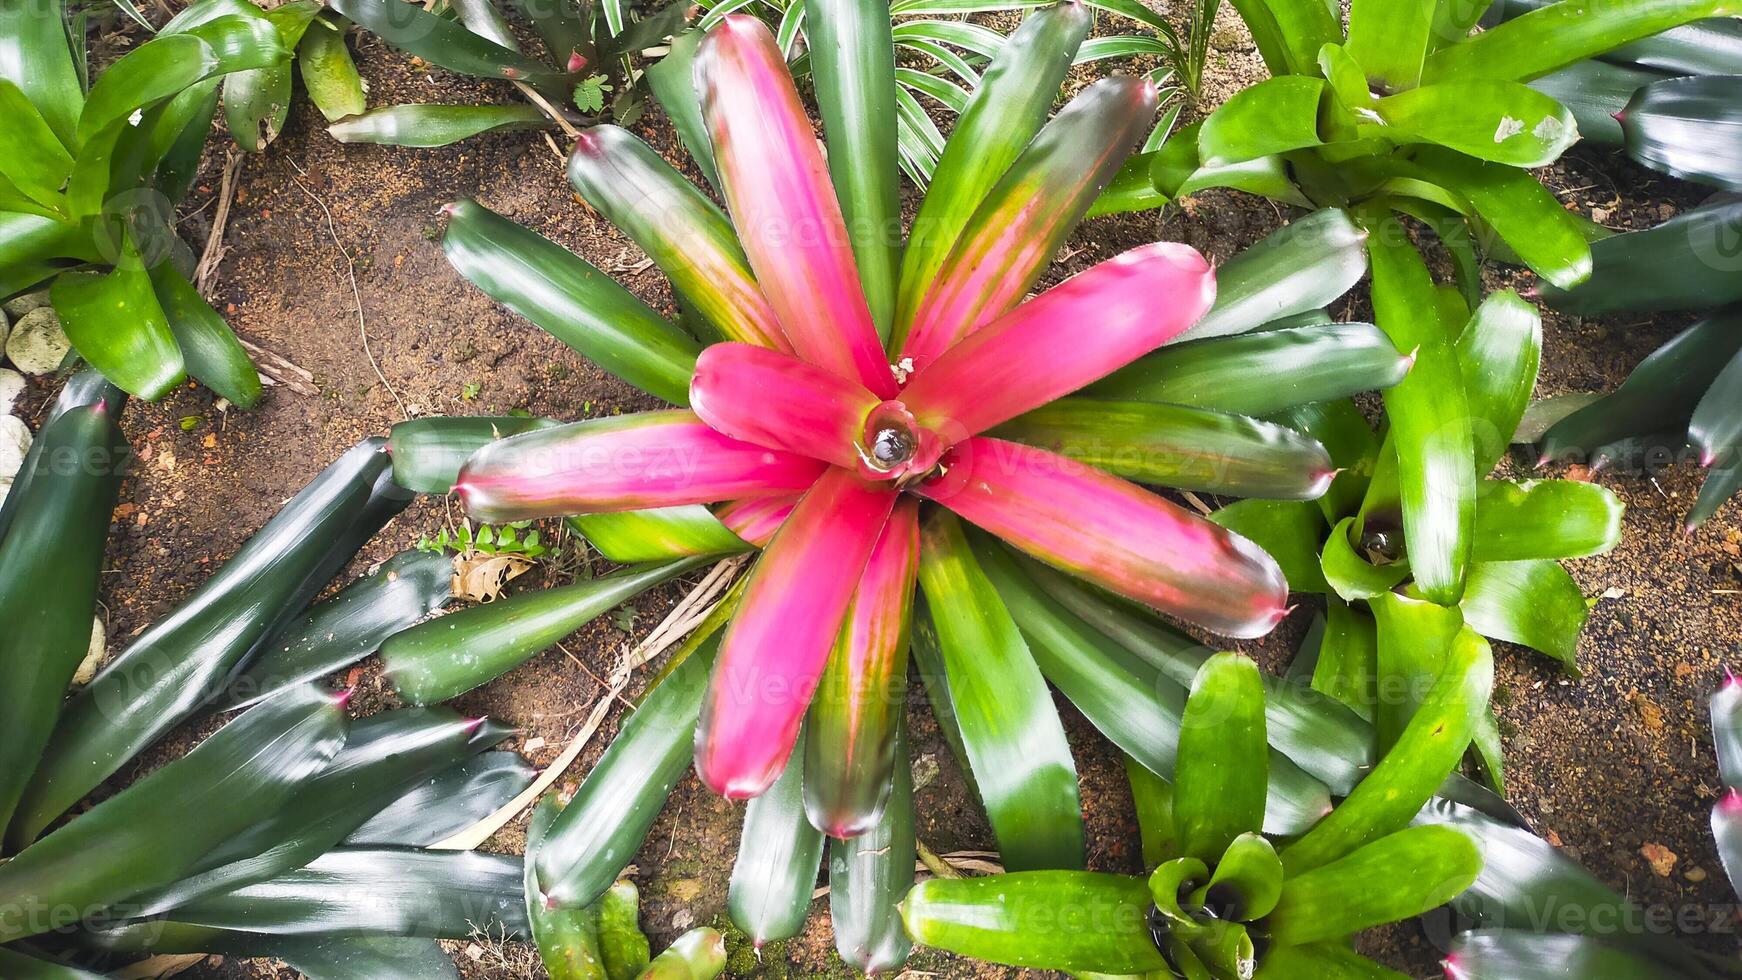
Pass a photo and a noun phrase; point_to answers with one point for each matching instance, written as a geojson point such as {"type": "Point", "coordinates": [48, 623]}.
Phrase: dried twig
{"type": "Point", "coordinates": [214, 251]}
{"type": "Point", "coordinates": [664, 636]}
{"type": "Point", "coordinates": [276, 369]}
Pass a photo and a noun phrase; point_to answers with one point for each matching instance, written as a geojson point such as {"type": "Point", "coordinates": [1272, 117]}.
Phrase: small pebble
{"type": "Point", "coordinates": [14, 443]}
{"type": "Point", "coordinates": [38, 345]}
{"type": "Point", "coordinates": [11, 386]}
{"type": "Point", "coordinates": [17, 306]}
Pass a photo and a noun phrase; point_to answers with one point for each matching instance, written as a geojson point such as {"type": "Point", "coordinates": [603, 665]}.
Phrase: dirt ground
{"type": "Point", "coordinates": [1605, 766]}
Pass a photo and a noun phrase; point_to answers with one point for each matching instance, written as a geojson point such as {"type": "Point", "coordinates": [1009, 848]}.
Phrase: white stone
{"type": "Point", "coordinates": [5, 328]}
{"type": "Point", "coordinates": [11, 386]}
{"type": "Point", "coordinates": [17, 306]}
{"type": "Point", "coordinates": [94, 657]}
{"type": "Point", "coordinates": [38, 345]}
{"type": "Point", "coordinates": [14, 443]}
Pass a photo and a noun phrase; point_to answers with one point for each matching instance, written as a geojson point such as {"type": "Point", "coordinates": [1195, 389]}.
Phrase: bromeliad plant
{"type": "Point", "coordinates": [1354, 545]}
{"type": "Point", "coordinates": [847, 457]}
{"type": "Point", "coordinates": [290, 832]}
{"type": "Point", "coordinates": [92, 169]}
{"type": "Point", "coordinates": [1227, 902]}
{"type": "Point", "coordinates": [586, 66]}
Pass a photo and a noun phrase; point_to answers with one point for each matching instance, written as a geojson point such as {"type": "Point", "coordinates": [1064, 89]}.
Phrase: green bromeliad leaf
{"type": "Point", "coordinates": [1014, 919]}
{"type": "Point", "coordinates": [434, 125]}
{"type": "Point", "coordinates": [1532, 603]}
{"type": "Point", "coordinates": [1015, 743]}
{"type": "Point", "coordinates": [1396, 877]}
{"type": "Point", "coordinates": [1219, 789]}
{"type": "Point", "coordinates": [1562, 33]}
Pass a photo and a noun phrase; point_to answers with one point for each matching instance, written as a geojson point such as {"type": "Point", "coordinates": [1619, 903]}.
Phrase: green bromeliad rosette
{"type": "Point", "coordinates": [1226, 901]}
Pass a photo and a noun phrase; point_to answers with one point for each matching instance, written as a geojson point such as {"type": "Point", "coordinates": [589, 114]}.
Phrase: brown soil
{"type": "Point", "coordinates": [1606, 765]}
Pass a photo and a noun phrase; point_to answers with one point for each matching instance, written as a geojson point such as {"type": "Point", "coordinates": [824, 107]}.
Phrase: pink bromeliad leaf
{"type": "Point", "coordinates": [850, 750]}
{"type": "Point", "coordinates": [1069, 336]}
{"type": "Point", "coordinates": [779, 401]}
{"type": "Point", "coordinates": [757, 518]}
{"type": "Point", "coordinates": [775, 650]}
{"type": "Point", "coordinates": [1115, 534]}
{"type": "Point", "coordinates": [1026, 217]}
{"type": "Point", "coordinates": [782, 203]}
{"type": "Point", "coordinates": [632, 462]}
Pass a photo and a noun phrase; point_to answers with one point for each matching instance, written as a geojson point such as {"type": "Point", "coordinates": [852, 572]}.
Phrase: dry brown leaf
{"type": "Point", "coordinates": [480, 577]}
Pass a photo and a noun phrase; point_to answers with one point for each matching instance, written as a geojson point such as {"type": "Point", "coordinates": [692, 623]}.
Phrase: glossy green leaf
{"type": "Point", "coordinates": [1538, 519]}
{"type": "Point", "coordinates": [1306, 265]}
{"type": "Point", "coordinates": [450, 655]}
{"type": "Point", "coordinates": [1128, 683]}
{"type": "Point", "coordinates": [1704, 47]}
{"type": "Point", "coordinates": [1720, 485]}
{"type": "Point", "coordinates": [1687, 263]}
{"type": "Point", "coordinates": [375, 957]}
{"type": "Point", "coordinates": [428, 452]}
{"type": "Point", "coordinates": [31, 156]}
{"type": "Point", "coordinates": [1290, 531]}
{"type": "Point", "coordinates": [778, 856]}
{"type": "Point", "coordinates": [377, 892]}
{"type": "Point", "coordinates": [116, 323]}
{"type": "Point", "coordinates": [1596, 92]}
{"type": "Point", "coordinates": [1512, 954]}
{"type": "Point", "coordinates": [1322, 961]}
{"type": "Point", "coordinates": [1014, 740]}
{"type": "Point", "coordinates": [1264, 372]}
{"type": "Point", "coordinates": [1415, 640]}
{"type": "Point", "coordinates": [1688, 128]}
{"type": "Point", "coordinates": [1219, 787]}
{"type": "Point", "coordinates": [1152, 797]}
{"type": "Point", "coordinates": [1429, 416]}
{"type": "Point", "coordinates": [1543, 234]}
{"type": "Point", "coordinates": [673, 84]}
{"type": "Point", "coordinates": [1501, 122]}
{"type": "Point", "coordinates": [36, 56]}
{"type": "Point", "coordinates": [1396, 877]}
{"type": "Point", "coordinates": [22, 966]}
{"type": "Point", "coordinates": [171, 62]}
{"type": "Point", "coordinates": [257, 101]}
{"type": "Point", "coordinates": [251, 766]}
{"type": "Point", "coordinates": [349, 626]}
{"type": "Point", "coordinates": [328, 73]}
{"type": "Point", "coordinates": [1177, 446]}
{"type": "Point", "coordinates": [1271, 117]}
{"type": "Point", "coordinates": [1290, 33]}
{"type": "Point", "coordinates": [49, 570]}
{"type": "Point", "coordinates": [1391, 38]}
{"type": "Point", "coordinates": [1498, 353]}
{"type": "Point", "coordinates": [1533, 603]}
{"type": "Point", "coordinates": [570, 299]}
{"type": "Point", "coordinates": [1047, 920]}
{"type": "Point", "coordinates": [1661, 393]}
{"type": "Point", "coordinates": [442, 42]}
{"type": "Point", "coordinates": [1348, 656]}
{"type": "Point", "coordinates": [442, 806]}
{"type": "Point", "coordinates": [181, 156]}
{"type": "Point", "coordinates": [1350, 574]}
{"type": "Point", "coordinates": [853, 69]}
{"type": "Point", "coordinates": [209, 348]}
{"type": "Point", "coordinates": [660, 534]}
{"type": "Point", "coordinates": [699, 954]}
{"type": "Point", "coordinates": [1415, 766]}
{"type": "Point", "coordinates": [434, 125]}
{"type": "Point", "coordinates": [87, 387]}
{"type": "Point", "coordinates": [1008, 108]}
{"type": "Point", "coordinates": [1558, 35]}
{"type": "Point", "coordinates": [1716, 427]}
{"type": "Point", "coordinates": [567, 937]}
{"type": "Point", "coordinates": [1132, 189]}
{"type": "Point", "coordinates": [869, 876]}
{"type": "Point", "coordinates": [623, 945]}
{"type": "Point", "coordinates": [1247, 881]}
{"type": "Point", "coordinates": [598, 833]}
{"type": "Point", "coordinates": [182, 661]}
{"type": "Point", "coordinates": [384, 756]}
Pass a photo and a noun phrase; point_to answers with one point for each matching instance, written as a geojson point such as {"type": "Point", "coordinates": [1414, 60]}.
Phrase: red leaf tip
{"type": "Point", "coordinates": [1452, 967]}
{"type": "Point", "coordinates": [449, 208]}
{"type": "Point", "coordinates": [1730, 678]}
{"type": "Point", "coordinates": [577, 61]}
{"type": "Point", "coordinates": [473, 724]}
{"type": "Point", "coordinates": [1732, 801]}
{"type": "Point", "coordinates": [343, 698]}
